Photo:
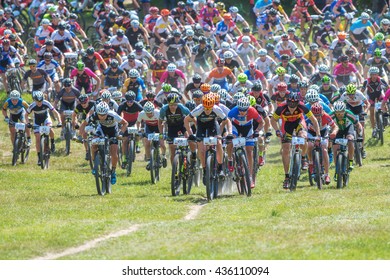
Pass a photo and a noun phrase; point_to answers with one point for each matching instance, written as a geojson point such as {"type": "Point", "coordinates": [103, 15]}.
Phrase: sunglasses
{"type": "Point", "coordinates": [130, 101]}
{"type": "Point", "coordinates": [242, 110]}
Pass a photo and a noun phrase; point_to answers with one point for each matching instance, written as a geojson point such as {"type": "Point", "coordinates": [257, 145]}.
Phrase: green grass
{"type": "Point", "coordinates": [49, 211]}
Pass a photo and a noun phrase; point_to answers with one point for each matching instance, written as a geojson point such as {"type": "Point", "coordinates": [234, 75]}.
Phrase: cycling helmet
{"type": "Point", "coordinates": [196, 79]}
{"type": "Point", "coordinates": [227, 55]}
{"type": "Point", "coordinates": [73, 16]}
{"type": "Point", "coordinates": [210, 4]}
{"type": "Point", "coordinates": [49, 42]}
{"type": "Point", "coordinates": [252, 100]}
{"type": "Point", "coordinates": [227, 16]}
{"type": "Point", "coordinates": [350, 89]}
{"type": "Point", "coordinates": [243, 104]}
{"type": "Point", "coordinates": [284, 37]}
{"type": "Point", "coordinates": [153, 10]}
{"type": "Point", "coordinates": [223, 93]}
{"type": "Point", "coordinates": [385, 21]}
{"type": "Point", "coordinates": [106, 94]}
{"type": "Point", "coordinates": [133, 73]}
{"type": "Point", "coordinates": [131, 56]}
{"type": "Point", "coordinates": [269, 47]}
{"type": "Point", "coordinates": [317, 109]}
{"type": "Point", "coordinates": [220, 61]}
{"type": "Point", "coordinates": [190, 3]}
{"type": "Point", "coordinates": [80, 65]}
{"type": "Point", "coordinates": [291, 30]}
{"type": "Point", "coordinates": [130, 95]}
{"type": "Point", "coordinates": [90, 50]}
{"type": "Point", "coordinates": [120, 33]}
{"type": "Point", "coordinates": [148, 107]}
{"type": "Point", "coordinates": [176, 33]}
{"type": "Point", "coordinates": [67, 82]}
{"type": "Point", "coordinates": [205, 88]}
{"type": "Point", "coordinates": [83, 98]}
{"type": "Point", "coordinates": [139, 46]}
{"type": "Point", "coordinates": [225, 46]}
{"type": "Point", "coordinates": [313, 46]}
{"type": "Point", "coordinates": [102, 108]}
{"type": "Point", "coordinates": [190, 33]}
{"type": "Point", "coordinates": [37, 95]}
{"type": "Point", "coordinates": [323, 68]}
{"type": "Point", "coordinates": [171, 67]}
{"type": "Point", "coordinates": [342, 35]}
{"type": "Point", "coordinates": [379, 36]}
{"type": "Point", "coordinates": [312, 96]}
{"type": "Point", "coordinates": [373, 70]}
{"type": "Point", "coordinates": [282, 86]}
{"type": "Point", "coordinates": [215, 87]}
{"type": "Point", "coordinates": [294, 79]}
{"type": "Point", "coordinates": [339, 106]}
{"type": "Point", "coordinates": [303, 84]}
{"type": "Point", "coordinates": [197, 94]}
{"type": "Point", "coordinates": [45, 21]}
{"type": "Point", "coordinates": [134, 23]}
{"type": "Point", "coordinates": [246, 29]}
{"type": "Point", "coordinates": [159, 55]}
{"type": "Point", "coordinates": [284, 57]}
{"type": "Point", "coordinates": [365, 16]}
{"type": "Point", "coordinates": [14, 95]}
{"type": "Point", "coordinates": [327, 22]}
{"type": "Point", "coordinates": [208, 101]}
{"type": "Point", "coordinates": [181, 4]}
{"type": "Point", "coordinates": [190, 105]}
{"type": "Point", "coordinates": [242, 78]}
{"type": "Point", "coordinates": [48, 56]}
{"type": "Point", "coordinates": [116, 95]}
{"type": "Point", "coordinates": [293, 100]}
{"type": "Point", "coordinates": [246, 39]}
{"type": "Point", "coordinates": [165, 12]}
{"type": "Point", "coordinates": [325, 80]}
{"type": "Point", "coordinates": [238, 96]}
{"type": "Point", "coordinates": [343, 58]}
{"type": "Point", "coordinates": [262, 52]}
{"type": "Point", "coordinates": [107, 45]}
{"type": "Point", "coordinates": [233, 9]}
{"type": "Point", "coordinates": [272, 12]}
{"type": "Point", "coordinates": [166, 87]}
{"type": "Point", "coordinates": [377, 52]}
{"type": "Point", "coordinates": [315, 87]}
{"type": "Point", "coordinates": [114, 63]}
{"type": "Point", "coordinates": [62, 26]}
{"type": "Point", "coordinates": [112, 15]}
{"type": "Point", "coordinates": [280, 71]}
{"type": "Point", "coordinates": [298, 53]}
{"type": "Point", "coordinates": [202, 39]}
{"type": "Point", "coordinates": [257, 86]}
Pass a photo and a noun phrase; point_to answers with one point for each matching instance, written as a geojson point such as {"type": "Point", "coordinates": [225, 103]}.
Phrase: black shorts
{"type": "Point", "coordinates": [173, 132]}
{"type": "Point", "coordinates": [109, 132]}
{"type": "Point", "coordinates": [349, 130]}
{"type": "Point", "coordinates": [289, 128]}
{"type": "Point", "coordinates": [163, 35]}
{"type": "Point", "coordinates": [67, 106]}
{"type": "Point", "coordinates": [206, 130]}
{"type": "Point", "coordinates": [357, 110]}
{"type": "Point", "coordinates": [14, 118]}
{"type": "Point", "coordinates": [38, 87]}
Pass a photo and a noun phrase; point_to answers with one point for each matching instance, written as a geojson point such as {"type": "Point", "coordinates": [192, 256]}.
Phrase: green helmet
{"type": "Point", "coordinates": [280, 71]}
{"type": "Point", "coordinates": [242, 78]}
{"type": "Point", "coordinates": [350, 89]}
{"type": "Point", "coordinates": [166, 87]}
{"type": "Point", "coordinates": [80, 65]}
{"type": "Point", "coordinates": [325, 80]}
{"type": "Point", "coordinates": [252, 100]}
{"type": "Point", "coordinates": [377, 52]}
{"type": "Point", "coordinates": [379, 36]}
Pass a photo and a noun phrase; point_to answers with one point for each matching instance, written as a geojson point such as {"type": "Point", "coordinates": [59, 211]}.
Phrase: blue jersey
{"type": "Point", "coordinates": [17, 108]}
{"type": "Point", "coordinates": [358, 26]}
{"type": "Point", "coordinates": [50, 68]}
{"type": "Point", "coordinates": [176, 118]}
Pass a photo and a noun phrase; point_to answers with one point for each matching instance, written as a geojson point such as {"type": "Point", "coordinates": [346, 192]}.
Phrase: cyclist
{"type": "Point", "coordinates": [134, 83]}
{"type": "Point", "coordinates": [52, 68]}
{"type": "Point", "coordinates": [379, 61]}
{"type": "Point", "coordinates": [42, 34]}
{"type": "Point", "coordinates": [133, 63]}
{"type": "Point", "coordinates": [344, 70]}
{"type": "Point", "coordinates": [224, 27]}
{"type": "Point", "coordinates": [255, 75]}
{"type": "Point", "coordinates": [265, 63]}
{"type": "Point", "coordinates": [61, 36]}
{"type": "Point", "coordinates": [172, 114]}
{"type": "Point", "coordinates": [108, 53]}
{"type": "Point", "coordinates": [174, 46]}
{"type": "Point", "coordinates": [328, 128]}
{"type": "Point", "coordinates": [191, 87]}
{"type": "Point", "coordinates": [108, 121]}
{"type": "Point", "coordinates": [280, 76]}
{"type": "Point", "coordinates": [327, 89]}
{"type": "Point", "coordinates": [38, 77]}
{"type": "Point", "coordinates": [359, 29]}
{"type": "Point", "coordinates": [245, 50]}
{"type": "Point", "coordinates": [94, 61]}
{"type": "Point", "coordinates": [323, 70]}
{"type": "Point", "coordinates": [378, 43]}
{"type": "Point", "coordinates": [325, 35]}
{"type": "Point", "coordinates": [315, 56]}
{"type": "Point", "coordinates": [164, 24]}
{"type": "Point", "coordinates": [219, 74]}
{"type": "Point", "coordinates": [281, 94]}
{"type": "Point", "coordinates": [267, 22]}
{"type": "Point", "coordinates": [84, 77]}
{"type": "Point", "coordinates": [17, 108]}
{"type": "Point", "coordinates": [49, 47]}
{"type": "Point", "coordinates": [113, 76]}
{"type": "Point", "coordinates": [172, 76]}
{"type": "Point", "coordinates": [338, 45]}
{"type": "Point", "coordinates": [291, 114]}
{"type": "Point", "coordinates": [166, 89]}
{"type": "Point", "coordinates": [199, 55]}
{"type": "Point", "coordinates": [156, 69]}
{"type": "Point", "coordinates": [302, 64]}
{"type": "Point", "coordinates": [346, 122]}
{"type": "Point", "coordinates": [135, 31]}
{"type": "Point", "coordinates": [285, 46]}
{"type": "Point", "coordinates": [242, 82]}
{"type": "Point", "coordinates": [105, 96]}
{"type": "Point", "coordinates": [231, 63]}
{"type": "Point", "coordinates": [40, 109]}
{"type": "Point", "coordinates": [288, 66]}
{"type": "Point", "coordinates": [120, 43]}
{"type": "Point", "coordinates": [302, 7]}
{"type": "Point", "coordinates": [207, 126]}
{"type": "Point", "coordinates": [242, 117]}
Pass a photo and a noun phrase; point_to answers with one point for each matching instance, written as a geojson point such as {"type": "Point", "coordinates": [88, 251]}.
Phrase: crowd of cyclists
{"type": "Point", "coordinates": [200, 70]}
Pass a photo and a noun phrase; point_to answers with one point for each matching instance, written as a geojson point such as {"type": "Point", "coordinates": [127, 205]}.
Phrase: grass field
{"type": "Point", "coordinates": [48, 212]}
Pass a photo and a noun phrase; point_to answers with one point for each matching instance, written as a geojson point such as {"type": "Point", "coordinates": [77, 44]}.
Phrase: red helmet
{"type": "Point", "coordinates": [165, 12]}
{"type": "Point", "coordinates": [317, 109]}
{"type": "Point", "coordinates": [153, 10]}
{"type": "Point", "coordinates": [282, 86]}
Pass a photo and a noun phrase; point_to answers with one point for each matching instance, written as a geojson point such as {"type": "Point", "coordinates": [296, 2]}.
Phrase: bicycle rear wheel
{"type": "Point", "coordinates": [358, 153]}
{"type": "Point", "coordinates": [188, 174]}
{"type": "Point", "coordinates": [339, 170]}
{"type": "Point", "coordinates": [98, 174]}
{"type": "Point", "coordinates": [255, 161]}
{"type": "Point", "coordinates": [107, 174]}
{"type": "Point", "coordinates": [210, 181]}
{"type": "Point", "coordinates": [176, 176]}
{"type": "Point", "coordinates": [295, 171]}
{"type": "Point", "coordinates": [157, 164]}
{"type": "Point", "coordinates": [245, 180]}
{"type": "Point", "coordinates": [91, 164]}
{"type": "Point", "coordinates": [317, 169]}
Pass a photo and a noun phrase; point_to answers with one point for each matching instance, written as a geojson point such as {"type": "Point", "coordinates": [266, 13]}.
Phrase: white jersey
{"type": "Point", "coordinates": [220, 52]}
{"type": "Point", "coordinates": [58, 38]}
{"type": "Point", "coordinates": [115, 42]}
{"type": "Point", "coordinates": [225, 109]}
{"type": "Point", "coordinates": [357, 99]}
{"type": "Point", "coordinates": [238, 18]}
{"type": "Point", "coordinates": [274, 81]}
{"type": "Point", "coordinates": [242, 50]}
{"type": "Point", "coordinates": [125, 65]}
{"type": "Point", "coordinates": [289, 49]}
{"type": "Point", "coordinates": [264, 66]}
{"type": "Point", "coordinates": [162, 25]}
{"type": "Point", "coordinates": [153, 121]}
{"type": "Point", "coordinates": [238, 86]}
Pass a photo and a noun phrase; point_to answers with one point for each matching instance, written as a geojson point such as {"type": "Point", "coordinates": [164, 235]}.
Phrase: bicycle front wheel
{"type": "Point", "coordinates": [317, 169]}
{"type": "Point", "coordinates": [210, 181]}
{"type": "Point", "coordinates": [130, 157]}
{"type": "Point", "coordinates": [107, 174]}
{"type": "Point", "coordinates": [98, 174]}
{"type": "Point", "coordinates": [358, 153]}
{"type": "Point", "coordinates": [176, 176]}
{"type": "Point", "coordinates": [295, 171]}
{"type": "Point", "coordinates": [245, 180]}
{"type": "Point", "coordinates": [152, 164]}
{"type": "Point", "coordinates": [16, 149]}
{"type": "Point", "coordinates": [68, 136]}
{"type": "Point", "coordinates": [25, 153]}
{"type": "Point", "coordinates": [379, 125]}
{"type": "Point", "coordinates": [339, 171]}
{"type": "Point", "coordinates": [42, 151]}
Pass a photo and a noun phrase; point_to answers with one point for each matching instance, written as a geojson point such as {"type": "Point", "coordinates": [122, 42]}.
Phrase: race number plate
{"type": "Point", "coordinates": [180, 142]}
{"type": "Point", "coordinates": [298, 141]}
{"type": "Point", "coordinates": [378, 105]}
{"type": "Point", "coordinates": [239, 142]}
{"type": "Point", "coordinates": [132, 130]}
{"type": "Point", "coordinates": [154, 137]}
{"type": "Point", "coordinates": [341, 141]}
{"type": "Point", "coordinates": [97, 141]}
{"type": "Point", "coordinates": [210, 141]}
{"type": "Point", "coordinates": [70, 55]}
{"type": "Point", "coordinates": [20, 126]}
{"type": "Point", "coordinates": [44, 130]}
{"type": "Point", "coordinates": [68, 113]}
{"type": "Point", "coordinates": [89, 129]}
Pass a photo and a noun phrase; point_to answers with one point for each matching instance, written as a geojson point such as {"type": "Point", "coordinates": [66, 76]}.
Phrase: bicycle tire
{"type": "Point", "coordinates": [358, 154]}
{"type": "Point", "coordinates": [339, 171]}
{"type": "Point", "coordinates": [16, 149]}
{"type": "Point", "coordinates": [197, 173]}
{"type": "Point", "coordinates": [119, 152]}
{"type": "Point", "coordinates": [317, 168]}
{"type": "Point", "coordinates": [311, 180]}
{"type": "Point", "coordinates": [107, 174]}
{"type": "Point", "coordinates": [151, 165]}
{"type": "Point", "coordinates": [157, 163]}
{"type": "Point", "coordinates": [98, 174]}
{"type": "Point", "coordinates": [130, 158]}
{"type": "Point", "coordinates": [176, 176]}
{"type": "Point", "coordinates": [189, 175]}
{"type": "Point", "coordinates": [42, 151]}
{"type": "Point", "coordinates": [91, 164]}
{"type": "Point", "coordinates": [245, 179]}
{"type": "Point", "coordinates": [295, 171]}
{"type": "Point", "coordinates": [24, 153]}
{"type": "Point", "coordinates": [68, 136]}
{"type": "Point", "coordinates": [255, 161]}
{"type": "Point", "coordinates": [209, 179]}
{"type": "Point", "coordinates": [379, 124]}
{"type": "Point", "coordinates": [47, 152]}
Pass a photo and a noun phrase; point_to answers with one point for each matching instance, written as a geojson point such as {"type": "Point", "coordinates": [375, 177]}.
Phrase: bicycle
{"type": "Point", "coordinates": [44, 150]}
{"type": "Point", "coordinates": [20, 146]}
{"type": "Point", "coordinates": [314, 27]}
{"type": "Point", "coordinates": [155, 158]}
{"type": "Point", "coordinates": [295, 161]}
{"type": "Point", "coordinates": [358, 145]}
{"type": "Point", "coordinates": [130, 149]}
{"type": "Point", "coordinates": [211, 168]}
{"type": "Point", "coordinates": [318, 168]}
{"type": "Point", "coordinates": [102, 165]}
{"type": "Point", "coordinates": [241, 170]}
{"type": "Point", "coordinates": [68, 133]}
{"type": "Point", "coordinates": [379, 120]}
{"type": "Point", "coordinates": [342, 170]}
{"type": "Point", "coordinates": [90, 130]}
{"type": "Point", "coordinates": [182, 173]}
{"type": "Point", "coordinates": [70, 62]}
{"type": "Point", "coordinates": [14, 79]}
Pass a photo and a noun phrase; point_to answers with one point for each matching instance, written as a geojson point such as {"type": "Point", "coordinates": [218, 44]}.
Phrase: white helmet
{"type": "Point", "coordinates": [228, 54]}
{"type": "Point", "coordinates": [365, 16]}
{"type": "Point", "coordinates": [215, 88]}
{"type": "Point", "coordinates": [106, 94]}
{"type": "Point", "coordinates": [243, 104]}
{"type": "Point", "coordinates": [246, 39]}
{"type": "Point", "coordinates": [262, 52]}
{"type": "Point", "coordinates": [223, 93]}
{"type": "Point", "coordinates": [171, 67]}
{"type": "Point", "coordinates": [315, 87]}
{"type": "Point", "coordinates": [339, 106]}
{"type": "Point", "coordinates": [299, 53]}
{"type": "Point", "coordinates": [312, 96]}
{"type": "Point", "coordinates": [37, 95]}
{"type": "Point", "coordinates": [133, 73]}
{"type": "Point", "coordinates": [238, 96]}
{"type": "Point", "coordinates": [149, 107]}
{"type": "Point", "coordinates": [102, 108]}
{"type": "Point", "coordinates": [190, 32]}
{"type": "Point", "coordinates": [117, 95]}
{"type": "Point", "coordinates": [14, 94]}
{"type": "Point", "coordinates": [225, 46]}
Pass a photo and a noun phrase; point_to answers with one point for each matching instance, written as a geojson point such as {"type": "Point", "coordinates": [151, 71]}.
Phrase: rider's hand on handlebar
{"type": "Point", "coordinates": [279, 133]}
{"type": "Point", "coordinates": [59, 124]}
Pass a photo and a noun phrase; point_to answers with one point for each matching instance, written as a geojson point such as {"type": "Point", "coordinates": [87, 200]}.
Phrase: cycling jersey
{"type": "Point", "coordinates": [206, 15]}
{"type": "Point", "coordinates": [153, 121]}
{"type": "Point", "coordinates": [54, 51]}
{"type": "Point", "coordinates": [268, 65]}
{"type": "Point", "coordinates": [324, 122]}
{"type": "Point", "coordinates": [354, 100]}
{"type": "Point", "coordinates": [38, 77]}
{"type": "Point", "coordinates": [132, 35]}
{"type": "Point", "coordinates": [237, 86]}
{"type": "Point", "coordinates": [313, 59]}
{"type": "Point", "coordinates": [176, 118]}
{"type": "Point", "coordinates": [375, 89]}
{"type": "Point", "coordinates": [40, 113]}
{"type": "Point", "coordinates": [200, 53]}
{"type": "Point", "coordinates": [219, 77]}
{"type": "Point", "coordinates": [66, 96]}
{"type": "Point", "coordinates": [158, 69]}
{"type": "Point", "coordinates": [84, 111]}
{"type": "Point", "coordinates": [113, 78]}
{"type": "Point", "coordinates": [349, 119]}
{"type": "Point", "coordinates": [17, 108]}
{"type": "Point", "coordinates": [49, 68]}
{"type": "Point", "coordinates": [340, 71]}
{"type": "Point", "coordinates": [119, 45]}
{"type": "Point", "coordinates": [288, 47]}
{"type": "Point", "coordinates": [94, 62]}
{"type": "Point", "coordinates": [108, 56]}
{"type": "Point", "coordinates": [255, 75]}
{"type": "Point", "coordinates": [330, 92]}
{"type": "Point", "coordinates": [162, 25]}
{"type": "Point", "coordinates": [278, 98]}
{"type": "Point", "coordinates": [174, 48]}
{"type": "Point", "coordinates": [130, 112]}
{"type": "Point", "coordinates": [358, 27]}
{"type": "Point", "coordinates": [59, 40]}
{"type": "Point", "coordinates": [222, 29]}
{"type": "Point", "coordinates": [172, 80]}
{"type": "Point", "coordinates": [286, 115]}
{"type": "Point", "coordinates": [138, 65]}
{"type": "Point", "coordinates": [372, 62]}
{"type": "Point", "coordinates": [134, 86]}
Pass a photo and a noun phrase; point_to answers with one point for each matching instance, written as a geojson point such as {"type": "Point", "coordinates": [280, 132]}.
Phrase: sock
{"type": "Point", "coordinates": [219, 167]}
{"type": "Point", "coordinates": [39, 155]}
{"type": "Point", "coordinates": [52, 140]}
{"type": "Point", "coordinates": [287, 175]}
{"type": "Point", "coordinates": [193, 155]}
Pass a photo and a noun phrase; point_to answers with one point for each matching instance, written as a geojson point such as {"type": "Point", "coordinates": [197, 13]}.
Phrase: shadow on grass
{"type": "Point", "coordinates": [138, 183]}
{"type": "Point", "coordinates": [189, 198]}
{"type": "Point", "coordinates": [372, 142]}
